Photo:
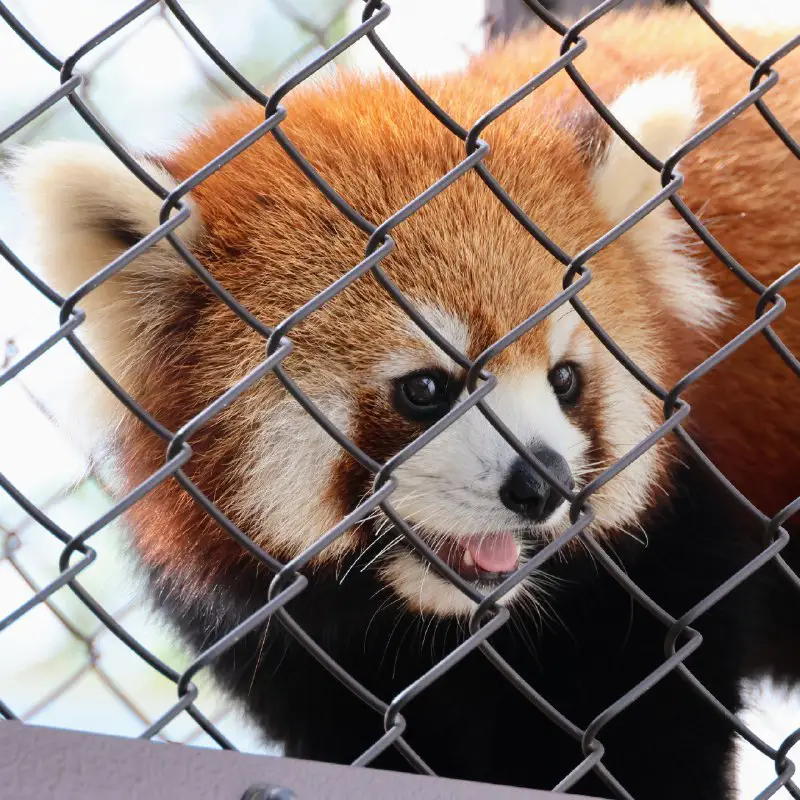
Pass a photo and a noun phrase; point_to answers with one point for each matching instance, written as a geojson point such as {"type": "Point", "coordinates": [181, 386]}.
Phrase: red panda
{"type": "Point", "coordinates": [270, 238]}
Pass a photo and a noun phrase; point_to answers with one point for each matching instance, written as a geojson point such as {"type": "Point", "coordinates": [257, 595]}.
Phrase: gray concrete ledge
{"type": "Point", "coordinates": [46, 764]}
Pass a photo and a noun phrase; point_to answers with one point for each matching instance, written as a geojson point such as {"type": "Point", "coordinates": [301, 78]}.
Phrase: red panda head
{"type": "Point", "coordinates": [271, 239]}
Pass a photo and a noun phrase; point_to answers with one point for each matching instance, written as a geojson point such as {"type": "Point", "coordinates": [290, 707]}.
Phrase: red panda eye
{"type": "Point", "coordinates": [421, 390]}
{"type": "Point", "coordinates": [565, 382]}
{"type": "Point", "coordinates": [423, 395]}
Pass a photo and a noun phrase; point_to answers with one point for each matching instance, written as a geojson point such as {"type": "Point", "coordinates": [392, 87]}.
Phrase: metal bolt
{"type": "Point", "coordinates": [264, 791]}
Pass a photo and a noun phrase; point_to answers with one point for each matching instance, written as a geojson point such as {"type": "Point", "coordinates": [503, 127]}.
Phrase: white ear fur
{"type": "Point", "coordinates": [85, 208]}
{"type": "Point", "coordinates": [661, 113]}
{"type": "Point", "coordinates": [81, 197]}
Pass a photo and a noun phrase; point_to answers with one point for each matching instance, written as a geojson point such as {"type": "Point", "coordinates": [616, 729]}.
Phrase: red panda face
{"type": "Point", "coordinates": [467, 492]}
{"type": "Point", "coordinates": [270, 238]}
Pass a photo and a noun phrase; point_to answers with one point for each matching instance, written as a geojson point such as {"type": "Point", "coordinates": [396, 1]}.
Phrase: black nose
{"type": "Point", "coordinates": [525, 492]}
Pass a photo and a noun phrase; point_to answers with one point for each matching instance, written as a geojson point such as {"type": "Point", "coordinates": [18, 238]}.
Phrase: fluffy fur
{"type": "Point", "coordinates": [271, 239]}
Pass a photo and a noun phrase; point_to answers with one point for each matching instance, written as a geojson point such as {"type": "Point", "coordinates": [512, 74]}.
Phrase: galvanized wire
{"type": "Point", "coordinates": [288, 581]}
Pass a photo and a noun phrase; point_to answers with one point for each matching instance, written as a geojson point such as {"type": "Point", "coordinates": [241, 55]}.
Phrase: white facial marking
{"type": "Point", "coordinates": [562, 325]}
{"type": "Point", "coordinates": [452, 484]}
{"type": "Point", "coordinates": [628, 421]}
{"type": "Point", "coordinates": [425, 591]}
{"type": "Point", "coordinates": [447, 325]}
{"type": "Point", "coordinates": [285, 475]}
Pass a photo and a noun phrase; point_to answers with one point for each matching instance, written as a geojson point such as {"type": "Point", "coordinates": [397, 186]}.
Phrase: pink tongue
{"type": "Point", "coordinates": [497, 552]}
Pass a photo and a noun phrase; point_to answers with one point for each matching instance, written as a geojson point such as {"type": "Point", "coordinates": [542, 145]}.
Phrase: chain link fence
{"type": "Point", "coordinates": [113, 631]}
{"type": "Point", "coordinates": [81, 672]}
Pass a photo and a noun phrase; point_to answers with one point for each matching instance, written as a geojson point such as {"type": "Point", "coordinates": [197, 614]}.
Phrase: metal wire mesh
{"type": "Point", "coordinates": [288, 581]}
{"type": "Point", "coordinates": [84, 666]}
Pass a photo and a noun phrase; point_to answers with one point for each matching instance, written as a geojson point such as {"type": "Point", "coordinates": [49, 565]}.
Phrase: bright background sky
{"type": "Point", "coordinates": [151, 84]}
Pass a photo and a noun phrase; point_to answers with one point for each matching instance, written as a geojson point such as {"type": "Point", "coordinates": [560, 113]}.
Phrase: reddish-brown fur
{"type": "Point", "coordinates": [274, 241]}
{"type": "Point", "coordinates": [743, 183]}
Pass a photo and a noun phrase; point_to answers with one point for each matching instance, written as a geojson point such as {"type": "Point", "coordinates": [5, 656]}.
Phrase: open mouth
{"type": "Point", "coordinates": [487, 558]}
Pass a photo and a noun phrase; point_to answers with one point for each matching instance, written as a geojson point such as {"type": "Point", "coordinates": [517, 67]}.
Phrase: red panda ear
{"type": "Point", "coordinates": [86, 208]}
{"type": "Point", "coordinates": [661, 112]}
